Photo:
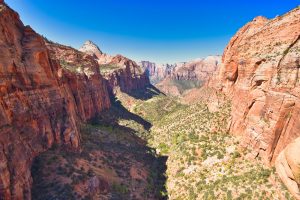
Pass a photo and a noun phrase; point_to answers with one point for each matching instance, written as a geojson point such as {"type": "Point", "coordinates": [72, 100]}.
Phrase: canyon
{"type": "Point", "coordinates": [89, 125]}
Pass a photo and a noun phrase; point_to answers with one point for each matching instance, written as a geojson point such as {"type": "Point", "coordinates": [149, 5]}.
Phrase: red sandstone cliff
{"type": "Point", "coordinates": [40, 102]}
{"type": "Point", "coordinates": [119, 71]}
{"type": "Point", "coordinates": [128, 76]}
{"type": "Point", "coordinates": [260, 72]}
{"type": "Point", "coordinates": [80, 72]}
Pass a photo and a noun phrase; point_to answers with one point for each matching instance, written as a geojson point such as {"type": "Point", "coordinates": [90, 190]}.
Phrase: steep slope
{"type": "Point", "coordinates": [261, 75]}
{"type": "Point", "coordinates": [119, 71]}
{"type": "Point", "coordinates": [125, 74]}
{"type": "Point", "coordinates": [81, 73]}
{"type": "Point", "coordinates": [37, 103]}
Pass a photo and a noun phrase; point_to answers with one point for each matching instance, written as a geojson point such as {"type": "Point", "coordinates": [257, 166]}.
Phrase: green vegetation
{"type": "Point", "coordinates": [186, 154]}
{"type": "Point", "coordinates": [71, 67]}
{"type": "Point", "coordinates": [120, 189]}
{"type": "Point", "coordinates": [109, 152]}
{"type": "Point", "coordinates": [108, 68]}
{"type": "Point", "coordinates": [204, 161]}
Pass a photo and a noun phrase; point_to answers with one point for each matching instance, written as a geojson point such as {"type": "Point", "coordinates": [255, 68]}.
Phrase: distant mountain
{"type": "Point", "coordinates": [176, 78]}
{"type": "Point", "coordinates": [157, 72]}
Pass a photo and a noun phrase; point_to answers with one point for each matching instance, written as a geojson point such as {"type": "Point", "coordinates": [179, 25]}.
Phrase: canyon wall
{"type": "Point", "coordinates": [128, 77]}
{"type": "Point", "coordinates": [41, 103]}
{"type": "Point", "coordinates": [199, 69]}
{"type": "Point", "coordinates": [260, 73]}
{"type": "Point", "coordinates": [157, 72]}
{"type": "Point", "coordinates": [82, 76]}
{"type": "Point", "coordinates": [119, 71]}
{"type": "Point", "coordinates": [180, 77]}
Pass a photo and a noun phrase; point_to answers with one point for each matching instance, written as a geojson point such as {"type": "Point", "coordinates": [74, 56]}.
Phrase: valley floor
{"type": "Point", "coordinates": [156, 148]}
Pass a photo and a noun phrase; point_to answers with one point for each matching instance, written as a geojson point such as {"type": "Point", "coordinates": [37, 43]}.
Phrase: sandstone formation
{"type": "Point", "coordinates": [288, 167]}
{"type": "Point", "coordinates": [157, 72]}
{"type": "Point", "coordinates": [199, 69]}
{"type": "Point", "coordinates": [119, 71]}
{"type": "Point", "coordinates": [260, 73]}
{"type": "Point", "coordinates": [93, 50]}
{"type": "Point", "coordinates": [81, 73]}
{"type": "Point", "coordinates": [41, 103]}
{"type": "Point", "coordinates": [177, 78]}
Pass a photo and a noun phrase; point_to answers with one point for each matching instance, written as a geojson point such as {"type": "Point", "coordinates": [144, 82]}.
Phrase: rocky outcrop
{"type": "Point", "coordinates": [119, 71]}
{"type": "Point", "coordinates": [40, 103]}
{"type": "Point", "coordinates": [91, 48]}
{"type": "Point", "coordinates": [288, 167]}
{"type": "Point", "coordinates": [260, 72]}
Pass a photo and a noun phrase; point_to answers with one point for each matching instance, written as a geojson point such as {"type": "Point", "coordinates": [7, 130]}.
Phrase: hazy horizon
{"type": "Point", "coordinates": [162, 32]}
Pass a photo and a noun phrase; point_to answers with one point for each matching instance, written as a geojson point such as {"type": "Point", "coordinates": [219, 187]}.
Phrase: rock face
{"type": "Point", "coordinates": [80, 72]}
{"type": "Point", "coordinates": [260, 72]}
{"type": "Point", "coordinates": [90, 48]}
{"type": "Point", "coordinates": [288, 167]}
{"type": "Point", "coordinates": [177, 78]}
{"type": "Point", "coordinates": [199, 69]}
{"type": "Point", "coordinates": [119, 71]}
{"type": "Point", "coordinates": [157, 72]}
{"type": "Point", "coordinates": [40, 102]}
{"type": "Point", "coordinates": [128, 77]}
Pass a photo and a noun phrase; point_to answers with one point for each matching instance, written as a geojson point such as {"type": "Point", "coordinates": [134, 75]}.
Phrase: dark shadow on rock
{"type": "Point", "coordinates": [118, 111]}
{"type": "Point", "coordinates": [120, 146]}
{"type": "Point", "coordinates": [119, 155]}
{"type": "Point", "coordinates": [148, 92]}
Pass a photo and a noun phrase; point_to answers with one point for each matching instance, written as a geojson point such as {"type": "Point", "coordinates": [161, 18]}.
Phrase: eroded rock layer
{"type": "Point", "coordinates": [40, 102]}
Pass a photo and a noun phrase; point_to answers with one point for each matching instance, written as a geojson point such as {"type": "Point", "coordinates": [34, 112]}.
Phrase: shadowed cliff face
{"type": "Point", "coordinates": [40, 102]}
{"type": "Point", "coordinates": [260, 72]}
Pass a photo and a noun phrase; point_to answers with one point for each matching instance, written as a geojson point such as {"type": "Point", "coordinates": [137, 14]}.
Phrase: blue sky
{"type": "Point", "coordinates": [155, 30]}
